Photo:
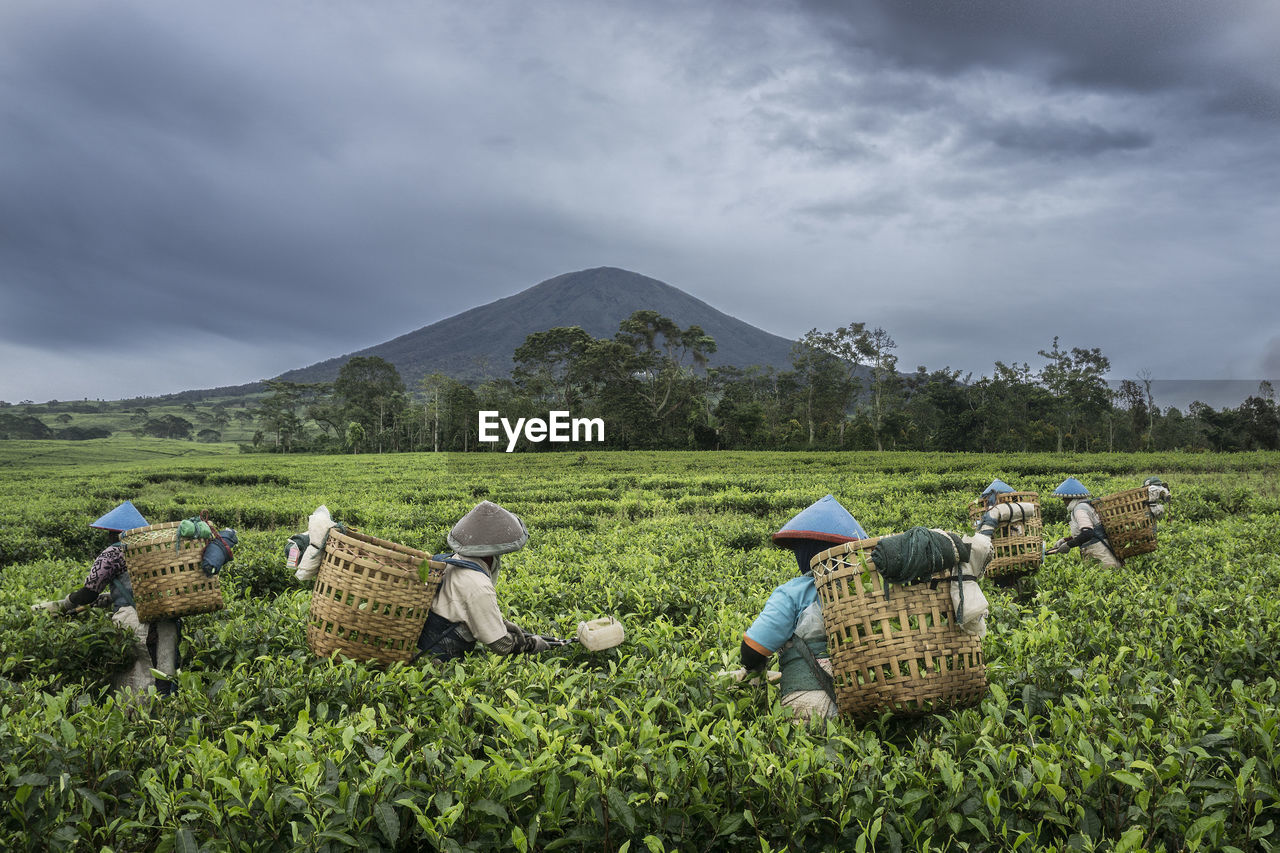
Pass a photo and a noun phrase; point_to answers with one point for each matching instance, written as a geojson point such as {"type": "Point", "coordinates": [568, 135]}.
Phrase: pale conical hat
{"type": "Point", "coordinates": [487, 530]}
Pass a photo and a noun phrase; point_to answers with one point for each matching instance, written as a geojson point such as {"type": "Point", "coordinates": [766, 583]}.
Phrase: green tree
{"type": "Point", "coordinates": [168, 426]}
{"type": "Point", "coordinates": [852, 346]}
{"type": "Point", "coordinates": [277, 412]}
{"type": "Point", "coordinates": [822, 389]}
{"type": "Point", "coordinates": [1081, 397]}
{"type": "Point", "coordinates": [886, 384]}
{"type": "Point", "coordinates": [548, 365]}
{"type": "Point", "coordinates": [372, 394]}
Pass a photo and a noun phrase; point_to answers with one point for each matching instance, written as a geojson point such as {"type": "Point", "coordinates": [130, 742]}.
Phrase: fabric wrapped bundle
{"type": "Point", "coordinates": [921, 553]}
{"type": "Point", "coordinates": [318, 527]}
{"type": "Point", "coordinates": [218, 552]}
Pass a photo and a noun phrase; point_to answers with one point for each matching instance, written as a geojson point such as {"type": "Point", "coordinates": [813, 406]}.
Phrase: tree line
{"type": "Point", "coordinates": [651, 385]}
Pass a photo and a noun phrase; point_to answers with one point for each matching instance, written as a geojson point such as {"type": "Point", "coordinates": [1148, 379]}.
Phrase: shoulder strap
{"type": "Point", "coordinates": [461, 563]}
{"type": "Point", "coordinates": [824, 678]}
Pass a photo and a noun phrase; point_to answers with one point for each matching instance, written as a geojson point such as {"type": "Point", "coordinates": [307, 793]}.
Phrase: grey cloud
{"type": "Point", "coordinates": [1141, 46]}
{"type": "Point", "coordinates": [1065, 138]}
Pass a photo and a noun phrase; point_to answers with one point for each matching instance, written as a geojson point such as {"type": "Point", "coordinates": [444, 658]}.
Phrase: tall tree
{"type": "Point", "coordinates": [851, 346]}
{"type": "Point", "coordinates": [822, 389]}
{"type": "Point", "coordinates": [372, 395]}
{"type": "Point", "coordinates": [548, 365]}
{"type": "Point", "coordinates": [886, 384]}
{"type": "Point", "coordinates": [277, 412]}
{"type": "Point", "coordinates": [1076, 380]}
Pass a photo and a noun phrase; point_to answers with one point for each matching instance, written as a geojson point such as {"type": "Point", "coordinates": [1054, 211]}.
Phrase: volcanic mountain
{"type": "Point", "coordinates": [595, 299]}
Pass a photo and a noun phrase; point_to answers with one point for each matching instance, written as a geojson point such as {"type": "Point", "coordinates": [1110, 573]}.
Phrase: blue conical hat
{"type": "Point", "coordinates": [997, 487]}
{"type": "Point", "coordinates": [825, 520]}
{"type": "Point", "coordinates": [123, 517]}
{"type": "Point", "coordinates": [1071, 488]}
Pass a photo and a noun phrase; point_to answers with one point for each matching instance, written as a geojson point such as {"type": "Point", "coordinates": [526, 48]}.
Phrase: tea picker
{"type": "Point", "coordinates": [156, 643]}
{"type": "Point", "coordinates": [465, 610]}
{"type": "Point", "coordinates": [1087, 531]}
{"type": "Point", "coordinates": [790, 624]}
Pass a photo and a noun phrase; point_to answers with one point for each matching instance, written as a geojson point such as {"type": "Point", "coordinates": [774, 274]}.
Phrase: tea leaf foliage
{"type": "Point", "coordinates": [1134, 709]}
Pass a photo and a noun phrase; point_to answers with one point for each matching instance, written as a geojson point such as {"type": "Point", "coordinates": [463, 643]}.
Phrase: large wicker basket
{"type": "Point", "coordinates": [369, 602]}
{"type": "Point", "coordinates": [903, 652]}
{"type": "Point", "coordinates": [1126, 517]}
{"type": "Point", "coordinates": [1018, 546]}
{"type": "Point", "coordinates": [168, 582]}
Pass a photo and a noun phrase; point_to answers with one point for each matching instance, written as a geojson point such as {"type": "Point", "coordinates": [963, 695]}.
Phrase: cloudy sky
{"type": "Point", "coordinates": [195, 195]}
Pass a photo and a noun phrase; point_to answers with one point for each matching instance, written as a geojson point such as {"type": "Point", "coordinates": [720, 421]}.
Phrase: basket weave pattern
{"type": "Point", "coordinates": [905, 652]}
{"type": "Point", "coordinates": [369, 602]}
{"type": "Point", "coordinates": [1126, 517]}
{"type": "Point", "coordinates": [1017, 547]}
{"type": "Point", "coordinates": [168, 583]}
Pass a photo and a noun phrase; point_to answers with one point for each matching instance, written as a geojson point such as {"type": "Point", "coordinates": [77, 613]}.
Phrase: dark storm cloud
{"type": "Point", "coordinates": [1144, 46]}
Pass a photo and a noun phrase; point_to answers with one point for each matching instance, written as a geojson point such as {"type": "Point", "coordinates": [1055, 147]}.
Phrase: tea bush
{"type": "Point", "coordinates": [1134, 709]}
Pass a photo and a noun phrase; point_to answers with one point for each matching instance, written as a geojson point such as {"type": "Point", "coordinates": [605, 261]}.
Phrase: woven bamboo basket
{"type": "Point", "coordinates": [1017, 547]}
{"type": "Point", "coordinates": [903, 653]}
{"type": "Point", "coordinates": [168, 582]}
{"type": "Point", "coordinates": [369, 602]}
{"type": "Point", "coordinates": [1126, 516]}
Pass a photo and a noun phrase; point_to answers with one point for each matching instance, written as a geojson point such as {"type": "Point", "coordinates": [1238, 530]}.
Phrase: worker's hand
{"type": "Point", "coordinates": [749, 676]}
{"type": "Point", "coordinates": [537, 643]}
{"type": "Point", "coordinates": [1060, 547]}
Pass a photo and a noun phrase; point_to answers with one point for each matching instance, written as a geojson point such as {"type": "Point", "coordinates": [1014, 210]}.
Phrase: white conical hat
{"type": "Point", "coordinates": [487, 530]}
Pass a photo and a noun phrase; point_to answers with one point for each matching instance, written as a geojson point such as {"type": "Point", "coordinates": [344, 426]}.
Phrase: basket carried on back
{"type": "Point", "coordinates": [904, 652]}
{"type": "Point", "coordinates": [1126, 517]}
{"type": "Point", "coordinates": [369, 601]}
{"type": "Point", "coordinates": [168, 582]}
{"type": "Point", "coordinates": [1017, 546]}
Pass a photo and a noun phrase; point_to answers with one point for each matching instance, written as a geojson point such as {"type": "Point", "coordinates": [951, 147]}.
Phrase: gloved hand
{"type": "Point", "coordinates": [55, 607]}
{"type": "Point", "coordinates": [749, 676]}
{"type": "Point", "coordinates": [1060, 547]}
{"type": "Point", "coordinates": [537, 643]}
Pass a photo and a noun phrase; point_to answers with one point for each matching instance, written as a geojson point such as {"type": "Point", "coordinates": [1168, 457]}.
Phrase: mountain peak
{"type": "Point", "coordinates": [596, 299]}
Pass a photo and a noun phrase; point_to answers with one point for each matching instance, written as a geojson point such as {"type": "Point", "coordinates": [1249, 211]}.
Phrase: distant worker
{"type": "Point", "coordinates": [990, 500]}
{"type": "Point", "coordinates": [1087, 532]}
{"type": "Point", "coordinates": [791, 623]}
{"type": "Point", "coordinates": [156, 643]}
{"type": "Point", "coordinates": [991, 494]}
{"type": "Point", "coordinates": [465, 611]}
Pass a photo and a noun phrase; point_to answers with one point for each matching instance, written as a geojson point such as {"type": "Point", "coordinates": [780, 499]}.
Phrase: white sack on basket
{"type": "Point", "coordinates": [973, 610]}
{"type": "Point", "coordinates": [1018, 511]}
{"type": "Point", "coordinates": [318, 527]}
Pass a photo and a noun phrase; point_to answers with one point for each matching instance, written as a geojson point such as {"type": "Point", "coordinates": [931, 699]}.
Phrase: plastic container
{"type": "Point", "coordinates": [599, 634]}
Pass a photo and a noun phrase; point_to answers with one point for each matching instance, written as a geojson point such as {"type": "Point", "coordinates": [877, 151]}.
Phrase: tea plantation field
{"type": "Point", "coordinates": [1130, 710]}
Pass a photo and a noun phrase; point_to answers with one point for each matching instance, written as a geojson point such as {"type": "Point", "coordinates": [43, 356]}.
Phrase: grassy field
{"type": "Point", "coordinates": [123, 416]}
{"type": "Point", "coordinates": [1135, 709]}
{"type": "Point", "coordinates": [109, 451]}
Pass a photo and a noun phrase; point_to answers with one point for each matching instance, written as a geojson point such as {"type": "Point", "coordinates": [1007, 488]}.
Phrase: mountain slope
{"type": "Point", "coordinates": [595, 299]}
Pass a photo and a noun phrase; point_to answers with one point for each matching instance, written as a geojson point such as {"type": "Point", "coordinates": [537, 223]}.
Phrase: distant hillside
{"type": "Point", "coordinates": [481, 341]}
